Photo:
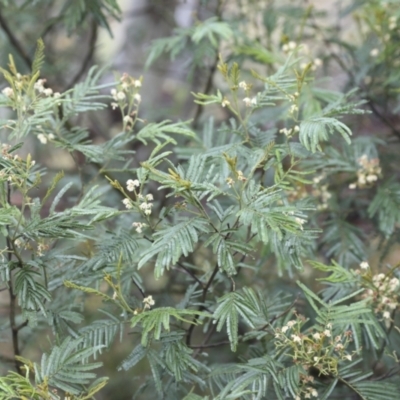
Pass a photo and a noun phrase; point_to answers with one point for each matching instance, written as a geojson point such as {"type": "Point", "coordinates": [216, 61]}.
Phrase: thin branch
{"type": "Point", "coordinates": [14, 41]}
{"type": "Point", "coordinates": [189, 272]}
{"type": "Point", "coordinates": [207, 346]}
{"type": "Point", "coordinates": [88, 58]}
{"type": "Point", "coordinates": [13, 303]}
{"type": "Point", "coordinates": [202, 307]}
{"type": "Point", "coordinates": [213, 68]}
{"type": "Point", "coordinates": [139, 288]}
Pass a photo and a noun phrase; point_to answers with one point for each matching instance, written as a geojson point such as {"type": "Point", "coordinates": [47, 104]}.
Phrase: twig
{"type": "Point", "coordinates": [202, 307]}
{"type": "Point", "coordinates": [13, 326]}
{"type": "Point", "coordinates": [207, 346]}
{"type": "Point", "coordinates": [88, 58]}
{"type": "Point", "coordinates": [14, 41]}
{"type": "Point", "coordinates": [189, 272]}
{"type": "Point", "coordinates": [213, 68]}
{"type": "Point", "coordinates": [139, 288]}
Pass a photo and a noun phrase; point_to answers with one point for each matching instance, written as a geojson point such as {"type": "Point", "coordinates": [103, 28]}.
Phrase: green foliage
{"type": "Point", "coordinates": [196, 252]}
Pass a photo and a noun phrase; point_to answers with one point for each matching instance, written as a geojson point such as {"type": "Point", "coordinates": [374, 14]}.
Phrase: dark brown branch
{"type": "Point", "coordinates": [13, 303]}
{"type": "Point", "coordinates": [139, 288]}
{"type": "Point", "coordinates": [189, 272]}
{"type": "Point", "coordinates": [208, 87]}
{"type": "Point", "coordinates": [202, 307]}
{"type": "Point", "coordinates": [88, 58]}
{"type": "Point", "coordinates": [14, 41]}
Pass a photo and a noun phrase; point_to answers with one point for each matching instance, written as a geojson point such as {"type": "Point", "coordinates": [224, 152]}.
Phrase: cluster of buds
{"type": "Point", "coordinates": [290, 132]}
{"type": "Point", "coordinates": [369, 172]}
{"type": "Point", "coordinates": [139, 226]}
{"type": "Point", "coordinates": [381, 290]}
{"type": "Point", "coordinates": [248, 102]}
{"type": "Point", "coordinates": [245, 86]}
{"type": "Point", "coordinates": [146, 204]}
{"type": "Point", "coordinates": [127, 98]}
{"type": "Point", "coordinates": [148, 302]}
{"type": "Point", "coordinates": [225, 102]}
{"type": "Point", "coordinates": [131, 184]}
{"type": "Point", "coordinates": [317, 348]}
{"type": "Point", "coordinates": [239, 176]}
{"type": "Point", "coordinates": [43, 138]}
{"type": "Point", "coordinates": [298, 192]}
{"type": "Point", "coordinates": [8, 92]}
{"type": "Point", "coordinates": [126, 92]}
{"type": "Point", "coordinates": [127, 203]}
{"type": "Point", "coordinates": [315, 64]}
{"type": "Point", "coordinates": [289, 46]}
{"type": "Point", "coordinates": [321, 192]}
{"type": "Point", "coordinates": [41, 248]}
{"type": "Point", "coordinates": [39, 87]}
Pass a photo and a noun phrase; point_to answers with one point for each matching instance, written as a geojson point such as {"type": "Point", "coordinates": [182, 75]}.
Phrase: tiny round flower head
{"type": "Point", "coordinates": [137, 97]}
{"type": "Point", "coordinates": [291, 323]}
{"type": "Point", "coordinates": [296, 338]}
{"type": "Point", "coordinates": [285, 328]}
{"type": "Point", "coordinates": [364, 265]}
{"type": "Point", "coordinates": [374, 52]}
{"type": "Point", "coordinates": [247, 101]}
{"type": "Point", "coordinates": [149, 197]}
{"type": "Point", "coordinates": [48, 92]}
{"type": "Point", "coordinates": [7, 91]}
{"type": "Point", "coordinates": [147, 212]}
{"type": "Point", "coordinates": [386, 315]}
{"type": "Point", "coordinates": [121, 96]}
{"type": "Point", "coordinates": [42, 138]}
{"type": "Point", "coordinates": [327, 333]}
{"type": "Point", "coordinates": [314, 393]}
{"type": "Point", "coordinates": [225, 102]}
{"type": "Point", "coordinates": [137, 83]}
{"type": "Point", "coordinates": [317, 62]}
{"type": "Point", "coordinates": [316, 336]}
{"type": "Point", "coordinates": [128, 119]}
{"type": "Point", "coordinates": [127, 203]}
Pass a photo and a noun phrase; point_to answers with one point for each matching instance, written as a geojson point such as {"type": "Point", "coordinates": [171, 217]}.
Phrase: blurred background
{"type": "Point", "coordinates": [120, 35]}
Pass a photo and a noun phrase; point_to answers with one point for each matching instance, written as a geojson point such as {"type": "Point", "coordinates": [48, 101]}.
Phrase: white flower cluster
{"type": "Point", "coordinates": [126, 91]}
{"type": "Point", "coordinates": [290, 46]}
{"type": "Point", "coordinates": [148, 302]}
{"type": "Point", "coordinates": [8, 92]}
{"type": "Point", "coordinates": [243, 85]}
{"type": "Point", "coordinates": [250, 102]}
{"type": "Point", "coordinates": [239, 176]}
{"type": "Point", "coordinates": [289, 132]}
{"type": "Point", "coordinates": [146, 204]}
{"type": "Point", "coordinates": [384, 293]}
{"type": "Point", "coordinates": [43, 138]}
{"type": "Point", "coordinates": [127, 203]}
{"type": "Point", "coordinates": [139, 226]}
{"type": "Point", "coordinates": [321, 192]}
{"type": "Point", "coordinates": [315, 348]}
{"type": "Point", "coordinates": [369, 172]}
{"type": "Point", "coordinates": [39, 87]}
{"type": "Point", "coordinates": [132, 184]}
{"type": "Point", "coordinates": [225, 102]}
